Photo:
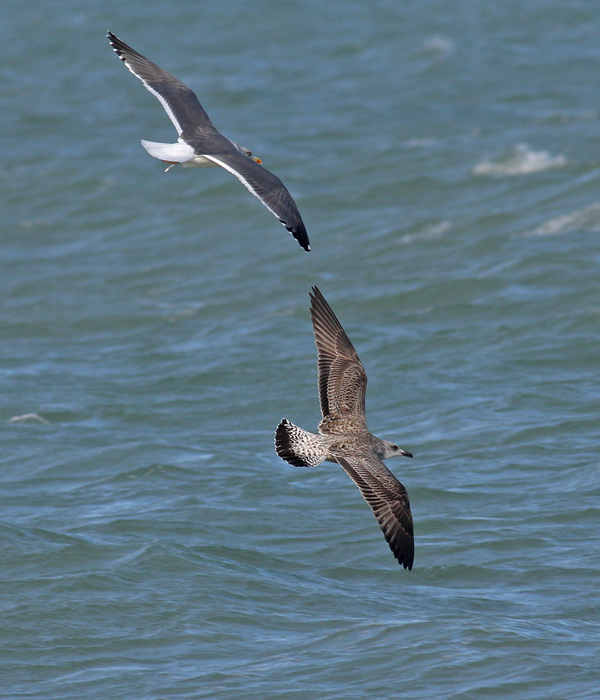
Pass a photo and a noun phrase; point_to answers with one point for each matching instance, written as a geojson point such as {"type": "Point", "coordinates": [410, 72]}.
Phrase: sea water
{"type": "Point", "coordinates": [154, 328]}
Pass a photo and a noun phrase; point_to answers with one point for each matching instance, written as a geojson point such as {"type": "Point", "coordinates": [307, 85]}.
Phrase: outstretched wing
{"type": "Point", "coordinates": [388, 500]}
{"type": "Point", "coordinates": [266, 186]}
{"type": "Point", "coordinates": [196, 129]}
{"type": "Point", "coordinates": [179, 102]}
{"type": "Point", "coordinates": [342, 378]}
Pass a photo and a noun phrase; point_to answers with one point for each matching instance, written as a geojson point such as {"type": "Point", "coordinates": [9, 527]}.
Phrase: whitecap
{"type": "Point", "coordinates": [28, 417]}
{"type": "Point", "coordinates": [586, 219]}
{"type": "Point", "coordinates": [428, 233]}
{"type": "Point", "coordinates": [521, 160]}
{"type": "Point", "coordinates": [438, 44]}
{"type": "Point", "coordinates": [419, 143]}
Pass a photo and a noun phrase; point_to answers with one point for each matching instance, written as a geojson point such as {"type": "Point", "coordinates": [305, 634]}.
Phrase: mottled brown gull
{"type": "Point", "coordinates": [201, 145]}
{"type": "Point", "coordinates": [343, 434]}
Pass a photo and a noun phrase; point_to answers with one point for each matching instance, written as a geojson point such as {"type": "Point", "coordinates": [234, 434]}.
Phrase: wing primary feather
{"type": "Point", "coordinates": [389, 503]}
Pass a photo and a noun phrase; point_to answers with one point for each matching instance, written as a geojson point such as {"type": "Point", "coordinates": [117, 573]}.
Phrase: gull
{"type": "Point", "coordinates": [343, 434]}
{"type": "Point", "coordinates": [201, 145]}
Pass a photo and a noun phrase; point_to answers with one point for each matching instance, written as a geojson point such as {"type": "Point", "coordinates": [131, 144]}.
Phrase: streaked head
{"type": "Point", "coordinates": [392, 450]}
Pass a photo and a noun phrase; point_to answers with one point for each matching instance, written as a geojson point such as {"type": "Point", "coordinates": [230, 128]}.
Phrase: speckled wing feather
{"type": "Point", "coordinates": [388, 500]}
{"type": "Point", "coordinates": [342, 379]}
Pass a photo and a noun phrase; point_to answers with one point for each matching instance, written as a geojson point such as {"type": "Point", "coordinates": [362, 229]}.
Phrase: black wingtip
{"type": "Point", "coordinates": [403, 550]}
{"type": "Point", "coordinates": [116, 43]}
{"type": "Point", "coordinates": [302, 238]}
{"type": "Point", "coordinates": [405, 553]}
{"type": "Point", "coordinates": [299, 233]}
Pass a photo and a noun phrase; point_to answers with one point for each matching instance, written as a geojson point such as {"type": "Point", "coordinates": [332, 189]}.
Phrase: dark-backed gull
{"type": "Point", "coordinates": [343, 434]}
{"type": "Point", "coordinates": [201, 145]}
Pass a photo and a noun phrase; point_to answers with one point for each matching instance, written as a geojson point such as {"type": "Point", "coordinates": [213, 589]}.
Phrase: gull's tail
{"type": "Point", "coordinates": [297, 446]}
{"type": "Point", "coordinates": [169, 152]}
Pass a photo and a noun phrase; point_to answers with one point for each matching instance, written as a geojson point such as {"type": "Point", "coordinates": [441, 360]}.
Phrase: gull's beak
{"type": "Point", "coordinates": [256, 160]}
{"type": "Point", "coordinates": [404, 453]}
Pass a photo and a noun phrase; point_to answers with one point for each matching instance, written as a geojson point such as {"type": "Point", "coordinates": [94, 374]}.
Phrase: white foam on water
{"type": "Point", "coordinates": [28, 417]}
{"type": "Point", "coordinates": [521, 160]}
{"type": "Point", "coordinates": [430, 232]}
{"type": "Point", "coordinates": [586, 219]}
{"type": "Point", "coordinates": [438, 44]}
{"type": "Point", "coordinates": [419, 143]}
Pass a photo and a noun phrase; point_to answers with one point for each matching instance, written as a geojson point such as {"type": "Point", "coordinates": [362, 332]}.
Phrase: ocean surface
{"type": "Point", "coordinates": [154, 328]}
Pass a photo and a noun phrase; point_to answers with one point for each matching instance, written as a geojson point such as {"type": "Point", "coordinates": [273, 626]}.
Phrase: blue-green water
{"type": "Point", "coordinates": [445, 157]}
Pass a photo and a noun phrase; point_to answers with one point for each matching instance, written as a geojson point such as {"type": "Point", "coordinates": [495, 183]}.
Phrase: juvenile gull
{"type": "Point", "coordinates": [343, 434]}
{"type": "Point", "coordinates": [201, 145]}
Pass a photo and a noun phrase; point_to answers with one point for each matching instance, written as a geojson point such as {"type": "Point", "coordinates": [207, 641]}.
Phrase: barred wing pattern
{"type": "Point", "coordinates": [342, 378]}
{"type": "Point", "coordinates": [388, 500]}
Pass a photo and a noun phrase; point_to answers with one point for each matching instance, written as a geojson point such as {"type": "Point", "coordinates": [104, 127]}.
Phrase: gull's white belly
{"type": "Point", "coordinates": [199, 162]}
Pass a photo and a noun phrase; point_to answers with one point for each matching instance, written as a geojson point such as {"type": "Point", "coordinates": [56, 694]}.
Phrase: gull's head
{"type": "Point", "coordinates": [392, 450]}
{"type": "Point", "coordinates": [247, 152]}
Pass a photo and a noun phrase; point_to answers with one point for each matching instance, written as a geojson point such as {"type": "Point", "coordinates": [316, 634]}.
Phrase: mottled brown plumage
{"type": "Point", "coordinates": [343, 434]}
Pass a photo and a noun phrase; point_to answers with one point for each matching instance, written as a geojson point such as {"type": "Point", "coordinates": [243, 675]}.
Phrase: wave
{"type": "Point", "coordinates": [586, 219]}
{"type": "Point", "coordinates": [428, 233]}
{"type": "Point", "coordinates": [28, 418]}
{"type": "Point", "coordinates": [520, 160]}
{"type": "Point", "coordinates": [438, 44]}
{"type": "Point", "coordinates": [419, 142]}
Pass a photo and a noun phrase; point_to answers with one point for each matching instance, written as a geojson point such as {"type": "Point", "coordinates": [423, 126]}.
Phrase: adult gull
{"type": "Point", "coordinates": [201, 145]}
